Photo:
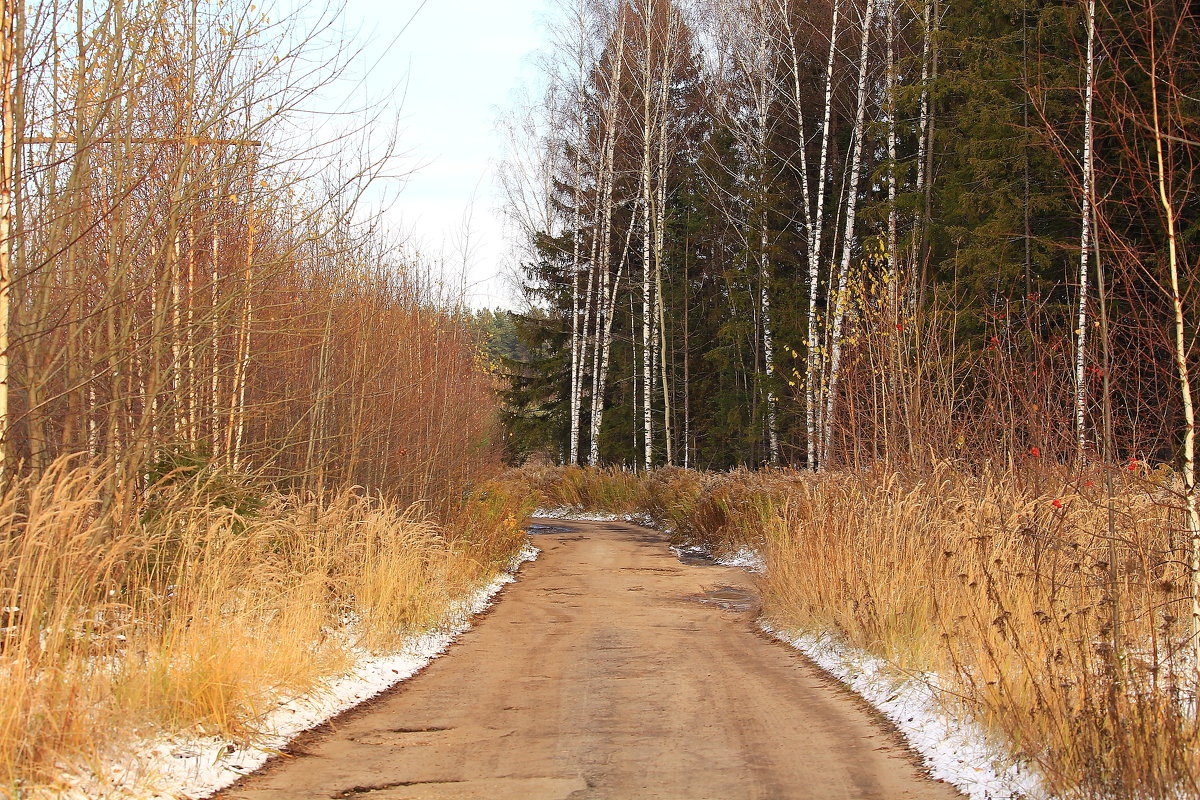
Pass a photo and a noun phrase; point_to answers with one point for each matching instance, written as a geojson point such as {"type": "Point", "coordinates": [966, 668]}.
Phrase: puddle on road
{"type": "Point", "coordinates": [693, 556]}
{"type": "Point", "coordinates": [729, 598]}
{"type": "Point", "coordinates": [538, 529]}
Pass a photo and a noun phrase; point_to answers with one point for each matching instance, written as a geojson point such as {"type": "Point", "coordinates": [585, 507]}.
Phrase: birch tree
{"type": "Point", "coordinates": [841, 289]}
{"type": "Point", "coordinates": [8, 75]}
{"type": "Point", "coordinates": [1081, 327]}
{"type": "Point", "coordinates": [814, 216]}
{"type": "Point", "coordinates": [609, 284]}
{"type": "Point", "coordinates": [650, 108]}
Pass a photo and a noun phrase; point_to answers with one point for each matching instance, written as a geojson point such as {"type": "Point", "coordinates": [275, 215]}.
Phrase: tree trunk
{"type": "Point", "coordinates": [1081, 332]}
{"type": "Point", "coordinates": [814, 367]}
{"type": "Point", "coordinates": [841, 291]}
{"type": "Point", "coordinates": [764, 259]}
{"type": "Point", "coordinates": [647, 210]}
{"type": "Point", "coordinates": [8, 73]}
{"type": "Point", "coordinates": [1191, 507]}
{"type": "Point", "coordinates": [606, 301]}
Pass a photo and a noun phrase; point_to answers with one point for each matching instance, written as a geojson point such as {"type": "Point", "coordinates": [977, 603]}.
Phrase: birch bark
{"type": "Point", "coordinates": [923, 124]}
{"type": "Point", "coordinates": [841, 290]}
{"type": "Point", "coordinates": [577, 330]}
{"type": "Point", "coordinates": [1081, 332]}
{"type": "Point", "coordinates": [814, 367]}
{"type": "Point", "coordinates": [607, 298]}
{"type": "Point", "coordinates": [764, 263]}
{"type": "Point", "coordinates": [8, 71]}
{"type": "Point", "coordinates": [648, 126]}
{"type": "Point", "coordinates": [669, 54]}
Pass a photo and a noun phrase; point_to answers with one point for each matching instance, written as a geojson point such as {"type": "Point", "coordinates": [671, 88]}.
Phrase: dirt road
{"type": "Point", "coordinates": [609, 670]}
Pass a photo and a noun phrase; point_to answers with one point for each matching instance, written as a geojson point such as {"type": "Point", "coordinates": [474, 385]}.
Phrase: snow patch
{"type": "Point", "coordinates": [957, 751]}
{"type": "Point", "coordinates": [170, 767]}
{"type": "Point", "coordinates": [575, 513]}
{"type": "Point", "coordinates": [579, 515]}
{"type": "Point", "coordinates": [643, 519]}
{"type": "Point", "coordinates": [746, 558]}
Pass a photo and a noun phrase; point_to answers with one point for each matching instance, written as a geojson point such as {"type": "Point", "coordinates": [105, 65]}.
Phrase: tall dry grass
{"type": "Point", "coordinates": [198, 604]}
{"type": "Point", "coordinates": [1070, 641]}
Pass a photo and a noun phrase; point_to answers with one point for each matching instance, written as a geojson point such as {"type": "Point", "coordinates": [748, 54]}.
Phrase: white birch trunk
{"type": "Point", "coordinates": [660, 219]}
{"type": "Point", "coordinates": [600, 267]}
{"type": "Point", "coordinates": [647, 210]}
{"type": "Point", "coordinates": [8, 73]}
{"type": "Point", "coordinates": [604, 305]}
{"type": "Point", "coordinates": [923, 121]}
{"type": "Point", "coordinates": [214, 388]}
{"type": "Point", "coordinates": [577, 330]}
{"type": "Point", "coordinates": [813, 361]}
{"type": "Point", "coordinates": [764, 264]}
{"type": "Point", "coordinates": [587, 338]}
{"type": "Point", "coordinates": [893, 222]}
{"type": "Point", "coordinates": [238, 395]}
{"type": "Point", "coordinates": [1081, 332]}
{"type": "Point", "coordinates": [606, 342]}
{"type": "Point", "coordinates": [923, 125]}
{"type": "Point", "coordinates": [841, 290]}
{"type": "Point", "coordinates": [647, 314]}
{"type": "Point", "coordinates": [576, 346]}
{"type": "Point", "coordinates": [660, 321]}
{"type": "Point", "coordinates": [189, 332]}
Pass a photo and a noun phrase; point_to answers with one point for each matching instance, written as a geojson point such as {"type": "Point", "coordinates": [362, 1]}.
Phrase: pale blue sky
{"type": "Point", "coordinates": [459, 62]}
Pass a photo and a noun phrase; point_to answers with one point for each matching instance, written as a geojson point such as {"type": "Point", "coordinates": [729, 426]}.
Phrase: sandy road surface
{"type": "Point", "coordinates": [609, 670]}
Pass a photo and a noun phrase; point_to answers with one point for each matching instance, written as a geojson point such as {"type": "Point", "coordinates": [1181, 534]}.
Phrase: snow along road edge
{"type": "Point", "coordinates": [172, 767]}
{"type": "Point", "coordinates": [955, 750]}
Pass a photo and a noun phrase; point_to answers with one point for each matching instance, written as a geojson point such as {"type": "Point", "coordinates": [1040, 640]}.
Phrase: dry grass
{"type": "Point", "coordinates": [606, 489]}
{"type": "Point", "coordinates": [197, 604]}
{"type": "Point", "coordinates": [1070, 642]}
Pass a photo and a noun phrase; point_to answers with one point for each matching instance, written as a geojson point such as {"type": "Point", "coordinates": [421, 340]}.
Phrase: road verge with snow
{"type": "Point", "coordinates": [170, 767]}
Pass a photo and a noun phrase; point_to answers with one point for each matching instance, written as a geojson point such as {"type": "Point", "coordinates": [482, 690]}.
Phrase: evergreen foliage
{"type": "Point", "coordinates": [986, 266]}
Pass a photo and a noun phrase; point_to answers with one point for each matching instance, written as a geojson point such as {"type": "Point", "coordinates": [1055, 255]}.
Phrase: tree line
{"type": "Point", "coordinates": [188, 274]}
{"type": "Point", "coordinates": [823, 234]}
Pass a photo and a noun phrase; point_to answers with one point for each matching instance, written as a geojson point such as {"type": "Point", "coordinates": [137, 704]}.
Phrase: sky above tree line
{"type": "Point", "coordinates": [457, 63]}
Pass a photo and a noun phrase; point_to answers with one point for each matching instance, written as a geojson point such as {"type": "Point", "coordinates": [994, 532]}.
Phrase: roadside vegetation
{"type": "Point", "coordinates": [245, 437]}
{"type": "Point", "coordinates": [197, 607]}
{"type": "Point", "coordinates": [1071, 644]}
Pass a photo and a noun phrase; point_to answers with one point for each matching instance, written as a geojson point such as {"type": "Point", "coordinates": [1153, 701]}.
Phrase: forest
{"type": "Point", "coordinates": [765, 232]}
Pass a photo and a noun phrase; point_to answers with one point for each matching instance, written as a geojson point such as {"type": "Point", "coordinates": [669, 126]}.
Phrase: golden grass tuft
{"type": "Point", "coordinates": [185, 609]}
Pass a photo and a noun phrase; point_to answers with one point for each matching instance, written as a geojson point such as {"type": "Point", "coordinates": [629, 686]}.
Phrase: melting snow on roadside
{"type": "Point", "coordinates": [571, 512]}
{"type": "Point", "coordinates": [954, 750]}
{"type": "Point", "coordinates": [575, 513]}
{"type": "Point", "coordinates": [194, 767]}
{"type": "Point", "coordinates": [746, 558]}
